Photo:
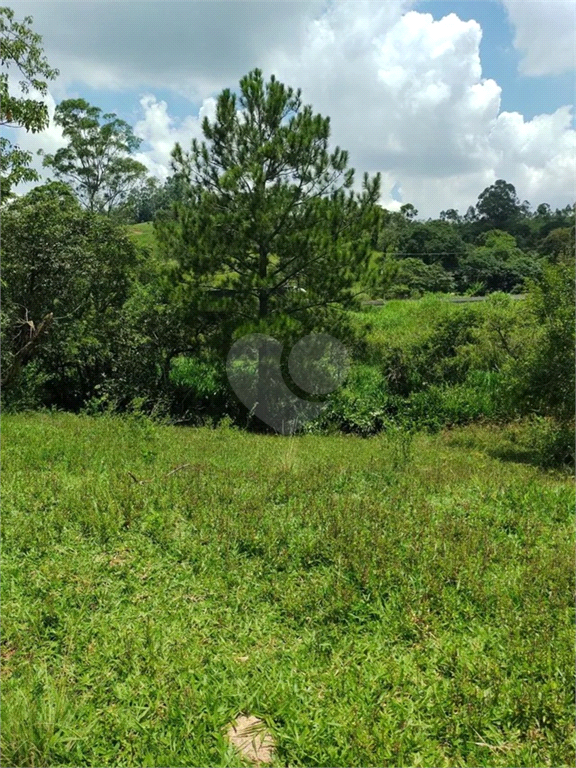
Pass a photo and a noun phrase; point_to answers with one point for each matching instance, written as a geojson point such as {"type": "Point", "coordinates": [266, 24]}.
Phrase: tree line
{"type": "Point", "coordinates": [259, 228]}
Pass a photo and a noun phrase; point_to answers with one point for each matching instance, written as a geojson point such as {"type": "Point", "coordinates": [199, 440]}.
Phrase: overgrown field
{"type": "Point", "coordinates": [391, 601]}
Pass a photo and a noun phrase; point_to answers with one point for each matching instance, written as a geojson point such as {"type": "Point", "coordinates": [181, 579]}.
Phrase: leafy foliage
{"type": "Point", "coordinates": [550, 366]}
{"type": "Point", "coordinates": [144, 201]}
{"type": "Point", "coordinates": [21, 52]}
{"type": "Point", "coordinates": [498, 264]}
{"type": "Point", "coordinates": [96, 162]}
{"type": "Point", "coordinates": [59, 260]}
{"type": "Point", "coordinates": [415, 277]}
{"type": "Point", "coordinates": [498, 204]}
{"type": "Point", "coordinates": [434, 242]}
{"type": "Point", "coordinates": [559, 245]}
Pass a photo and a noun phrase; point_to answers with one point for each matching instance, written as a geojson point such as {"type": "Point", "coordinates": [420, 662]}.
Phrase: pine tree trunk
{"type": "Point", "coordinates": [263, 310]}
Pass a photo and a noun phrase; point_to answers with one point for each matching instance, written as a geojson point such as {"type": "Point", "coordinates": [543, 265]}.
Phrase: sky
{"type": "Point", "coordinates": [442, 97]}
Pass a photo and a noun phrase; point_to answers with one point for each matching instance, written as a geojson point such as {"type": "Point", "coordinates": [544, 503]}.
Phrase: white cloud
{"type": "Point", "coordinates": [405, 92]}
{"type": "Point", "coordinates": [538, 155]}
{"type": "Point", "coordinates": [161, 132]}
{"type": "Point", "coordinates": [410, 98]}
{"type": "Point", "coordinates": [407, 97]}
{"type": "Point", "coordinates": [545, 34]}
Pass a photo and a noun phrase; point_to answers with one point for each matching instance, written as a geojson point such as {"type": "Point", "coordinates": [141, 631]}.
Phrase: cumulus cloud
{"type": "Point", "coordinates": [160, 132]}
{"type": "Point", "coordinates": [407, 98]}
{"type": "Point", "coordinates": [538, 155]}
{"type": "Point", "coordinates": [405, 92]}
{"type": "Point", "coordinates": [544, 32]}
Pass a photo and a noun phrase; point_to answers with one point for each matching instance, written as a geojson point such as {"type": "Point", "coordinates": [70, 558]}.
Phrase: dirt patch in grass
{"type": "Point", "coordinates": [250, 737]}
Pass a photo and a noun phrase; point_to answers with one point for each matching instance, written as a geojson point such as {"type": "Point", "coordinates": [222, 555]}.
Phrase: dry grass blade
{"type": "Point", "coordinates": [495, 747]}
{"type": "Point", "coordinates": [173, 471]}
{"type": "Point", "coordinates": [138, 482]}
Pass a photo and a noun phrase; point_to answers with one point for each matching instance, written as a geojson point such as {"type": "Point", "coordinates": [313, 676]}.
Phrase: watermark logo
{"type": "Point", "coordinates": [318, 364]}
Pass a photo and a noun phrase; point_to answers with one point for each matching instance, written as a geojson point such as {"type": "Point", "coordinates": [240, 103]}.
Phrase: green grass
{"type": "Point", "coordinates": [406, 322]}
{"type": "Point", "coordinates": [378, 602]}
{"type": "Point", "coordinates": [143, 235]}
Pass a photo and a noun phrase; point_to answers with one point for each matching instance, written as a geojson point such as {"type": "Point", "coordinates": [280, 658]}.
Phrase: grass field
{"type": "Point", "coordinates": [406, 322]}
{"type": "Point", "coordinates": [377, 602]}
{"type": "Point", "coordinates": [143, 234]}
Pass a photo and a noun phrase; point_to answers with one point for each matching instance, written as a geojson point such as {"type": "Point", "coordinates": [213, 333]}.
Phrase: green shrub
{"type": "Point", "coordinates": [433, 360]}
{"type": "Point", "coordinates": [415, 278]}
{"type": "Point", "coordinates": [548, 367]}
{"type": "Point", "coordinates": [359, 407]}
{"type": "Point", "coordinates": [552, 441]}
{"type": "Point", "coordinates": [198, 376]}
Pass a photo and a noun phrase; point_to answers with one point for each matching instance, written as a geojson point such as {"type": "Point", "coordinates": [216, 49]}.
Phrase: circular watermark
{"type": "Point", "coordinates": [318, 364]}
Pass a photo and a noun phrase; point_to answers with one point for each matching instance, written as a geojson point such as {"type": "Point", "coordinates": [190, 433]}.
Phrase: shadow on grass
{"type": "Point", "coordinates": [563, 464]}
{"type": "Point", "coordinates": [516, 454]}
{"type": "Point", "coordinates": [519, 451]}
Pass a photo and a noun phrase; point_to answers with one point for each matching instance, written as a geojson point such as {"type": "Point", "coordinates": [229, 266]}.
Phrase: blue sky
{"type": "Point", "coordinates": [441, 105]}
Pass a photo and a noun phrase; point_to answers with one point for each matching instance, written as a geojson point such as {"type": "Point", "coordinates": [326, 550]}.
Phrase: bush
{"type": "Point", "coordinates": [415, 278]}
{"type": "Point", "coordinates": [433, 360]}
{"type": "Point", "coordinates": [547, 370]}
{"type": "Point", "coordinates": [552, 441]}
{"type": "Point", "coordinates": [59, 259]}
{"type": "Point", "coordinates": [200, 388]}
{"type": "Point", "coordinates": [360, 407]}
{"type": "Point", "coordinates": [445, 406]}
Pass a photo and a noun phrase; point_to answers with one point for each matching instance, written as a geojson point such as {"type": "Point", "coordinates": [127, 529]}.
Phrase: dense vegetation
{"type": "Point", "coordinates": [131, 328]}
